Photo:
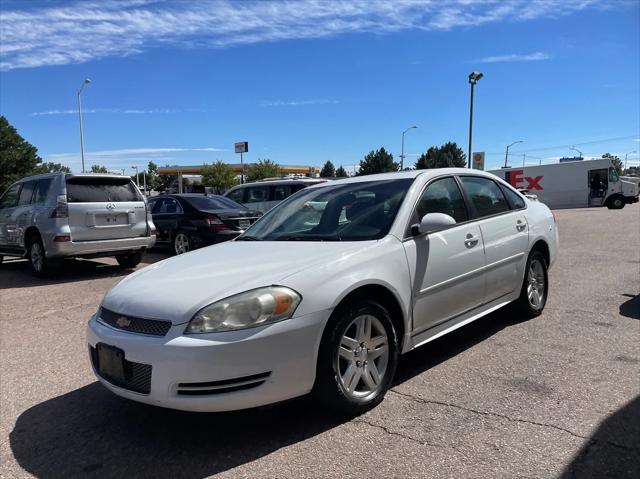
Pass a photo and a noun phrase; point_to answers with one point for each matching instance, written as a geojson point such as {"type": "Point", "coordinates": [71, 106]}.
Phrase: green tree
{"type": "Point", "coordinates": [380, 161]}
{"type": "Point", "coordinates": [18, 158]}
{"type": "Point", "coordinates": [219, 176]}
{"type": "Point", "coordinates": [617, 163]}
{"type": "Point", "coordinates": [445, 156]}
{"type": "Point", "coordinates": [328, 170]}
{"type": "Point", "coordinates": [341, 172]}
{"type": "Point", "coordinates": [50, 167]}
{"type": "Point", "coordinates": [99, 169]}
{"type": "Point", "coordinates": [263, 169]}
{"type": "Point", "coordinates": [153, 179]}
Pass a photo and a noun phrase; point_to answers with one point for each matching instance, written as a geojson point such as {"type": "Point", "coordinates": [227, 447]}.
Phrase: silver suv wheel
{"type": "Point", "coordinates": [36, 256]}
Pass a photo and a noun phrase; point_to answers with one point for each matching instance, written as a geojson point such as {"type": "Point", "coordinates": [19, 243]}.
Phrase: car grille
{"type": "Point", "coordinates": [137, 375]}
{"type": "Point", "coordinates": [152, 327]}
{"type": "Point", "coordinates": [224, 386]}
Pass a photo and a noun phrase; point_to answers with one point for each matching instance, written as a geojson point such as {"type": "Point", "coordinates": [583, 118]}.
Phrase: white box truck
{"type": "Point", "coordinates": [574, 184]}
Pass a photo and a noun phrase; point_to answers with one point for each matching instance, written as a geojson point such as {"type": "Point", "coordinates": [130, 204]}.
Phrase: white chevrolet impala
{"type": "Point", "coordinates": [324, 300]}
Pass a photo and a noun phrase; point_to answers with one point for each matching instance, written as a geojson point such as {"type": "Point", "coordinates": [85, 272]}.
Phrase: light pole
{"type": "Point", "coordinates": [506, 155]}
{"type": "Point", "coordinates": [575, 149]}
{"type": "Point", "coordinates": [625, 160]}
{"type": "Point", "coordinates": [473, 78]}
{"type": "Point", "coordinates": [85, 82]}
{"type": "Point", "coordinates": [402, 151]}
{"type": "Point", "coordinates": [137, 181]}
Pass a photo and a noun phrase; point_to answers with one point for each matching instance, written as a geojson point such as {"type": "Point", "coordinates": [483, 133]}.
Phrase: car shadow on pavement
{"type": "Point", "coordinates": [631, 308]}
{"type": "Point", "coordinates": [91, 432]}
{"type": "Point", "coordinates": [15, 273]}
{"type": "Point", "coordinates": [613, 450]}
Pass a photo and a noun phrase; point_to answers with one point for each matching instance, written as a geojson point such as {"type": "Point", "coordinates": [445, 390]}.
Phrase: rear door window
{"type": "Point", "coordinates": [98, 190]}
{"type": "Point", "coordinates": [485, 194]}
{"type": "Point", "coordinates": [26, 193]}
{"type": "Point", "coordinates": [167, 206]}
{"type": "Point", "coordinates": [10, 198]}
{"type": "Point", "coordinates": [237, 195]}
{"type": "Point", "coordinates": [281, 192]}
{"type": "Point", "coordinates": [257, 194]}
{"type": "Point", "coordinates": [42, 190]}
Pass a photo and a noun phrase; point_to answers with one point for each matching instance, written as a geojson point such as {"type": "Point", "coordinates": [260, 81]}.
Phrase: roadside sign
{"type": "Point", "coordinates": [242, 147]}
{"type": "Point", "coordinates": [478, 160]}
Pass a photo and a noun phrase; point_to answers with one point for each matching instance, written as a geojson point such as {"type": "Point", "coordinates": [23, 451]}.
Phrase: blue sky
{"type": "Point", "coordinates": [311, 80]}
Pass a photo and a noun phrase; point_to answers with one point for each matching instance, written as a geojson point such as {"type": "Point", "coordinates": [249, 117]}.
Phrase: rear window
{"type": "Point", "coordinates": [97, 190]}
{"type": "Point", "coordinates": [213, 203]}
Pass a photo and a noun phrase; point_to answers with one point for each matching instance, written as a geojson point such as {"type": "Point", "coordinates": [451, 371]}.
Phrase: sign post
{"type": "Point", "coordinates": [241, 147]}
{"type": "Point", "coordinates": [478, 160]}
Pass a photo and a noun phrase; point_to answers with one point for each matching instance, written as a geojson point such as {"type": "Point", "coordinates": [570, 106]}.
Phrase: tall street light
{"type": "Point", "coordinates": [575, 149]}
{"type": "Point", "coordinates": [85, 82]}
{"type": "Point", "coordinates": [506, 155]}
{"type": "Point", "coordinates": [402, 151]}
{"type": "Point", "coordinates": [137, 181]}
{"type": "Point", "coordinates": [473, 78]}
{"type": "Point", "coordinates": [625, 160]}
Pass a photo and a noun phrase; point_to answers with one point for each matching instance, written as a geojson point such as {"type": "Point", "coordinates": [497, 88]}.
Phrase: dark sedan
{"type": "Point", "coordinates": [190, 221]}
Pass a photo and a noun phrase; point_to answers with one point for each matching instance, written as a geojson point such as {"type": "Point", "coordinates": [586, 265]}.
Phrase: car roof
{"type": "Point", "coordinates": [289, 181]}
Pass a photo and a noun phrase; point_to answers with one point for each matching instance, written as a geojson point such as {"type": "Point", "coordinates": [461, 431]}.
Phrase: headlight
{"type": "Point", "coordinates": [246, 310]}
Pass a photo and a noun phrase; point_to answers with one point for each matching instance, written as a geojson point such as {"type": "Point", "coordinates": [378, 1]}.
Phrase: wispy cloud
{"type": "Point", "coordinates": [514, 57]}
{"type": "Point", "coordinates": [321, 101]}
{"type": "Point", "coordinates": [82, 31]}
{"type": "Point", "coordinates": [124, 158]}
{"type": "Point", "coordinates": [123, 111]}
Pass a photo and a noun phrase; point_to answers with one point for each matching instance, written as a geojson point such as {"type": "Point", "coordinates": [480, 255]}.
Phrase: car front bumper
{"type": "Point", "coordinates": [60, 249]}
{"type": "Point", "coordinates": [229, 371]}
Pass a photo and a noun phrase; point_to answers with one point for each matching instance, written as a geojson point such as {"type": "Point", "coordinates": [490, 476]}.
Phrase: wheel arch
{"type": "Point", "coordinates": [542, 246]}
{"type": "Point", "coordinates": [30, 233]}
{"type": "Point", "coordinates": [382, 294]}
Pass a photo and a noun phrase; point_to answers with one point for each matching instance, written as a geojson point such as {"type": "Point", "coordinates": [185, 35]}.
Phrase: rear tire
{"type": "Point", "coordinates": [357, 359]}
{"type": "Point", "coordinates": [535, 287]}
{"type": "Point", "coordinates": [182, 243]}
{"type": "Point", "coordinates": [38, 262]}
{"type": "Point", "coordinates": [130, 260]}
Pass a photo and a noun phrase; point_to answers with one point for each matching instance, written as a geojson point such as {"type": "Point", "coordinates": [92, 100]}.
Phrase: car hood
{"type": "Point", "coordinates": [176, 288]}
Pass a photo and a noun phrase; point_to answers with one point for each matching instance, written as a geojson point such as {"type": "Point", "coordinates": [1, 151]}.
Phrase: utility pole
{"type": "Point", "coordinates": [402, 150]}
{"type": "Point", "coordinates": [473, 79]}
{"type": "Point", "coordinates": [85, 82]}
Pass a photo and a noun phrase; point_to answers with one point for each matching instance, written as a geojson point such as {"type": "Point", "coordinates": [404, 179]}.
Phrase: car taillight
{"type": "Point", "coordinates": [215, 223]}
{"type": "Point", "coordinates": [62, 209]}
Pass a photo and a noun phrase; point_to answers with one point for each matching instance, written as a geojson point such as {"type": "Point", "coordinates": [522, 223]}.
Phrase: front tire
{"type": "Point", "coordinates": [130, 260]}
{"type": "Point", "coordinates": [535, 287]}
{"type": "Point", "coordinates": [616, 203]}
{"type": "Point", "coordinates": [357, 359]}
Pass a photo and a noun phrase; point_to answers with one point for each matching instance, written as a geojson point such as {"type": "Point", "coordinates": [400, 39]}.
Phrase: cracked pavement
{"type": "Point", "coordinates": [558, 396]}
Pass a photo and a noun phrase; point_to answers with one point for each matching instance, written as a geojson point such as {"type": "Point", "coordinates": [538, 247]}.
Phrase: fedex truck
{"type": "Point", "coordinates": [575, 184]}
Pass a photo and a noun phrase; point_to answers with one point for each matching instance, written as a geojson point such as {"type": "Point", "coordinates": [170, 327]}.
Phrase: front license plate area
{"type": "Point", "coordinates": [111, 362]}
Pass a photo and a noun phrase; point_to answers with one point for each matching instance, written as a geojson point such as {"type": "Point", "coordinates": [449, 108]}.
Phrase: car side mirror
{"type": "Point", "coordinates": [432, 222]}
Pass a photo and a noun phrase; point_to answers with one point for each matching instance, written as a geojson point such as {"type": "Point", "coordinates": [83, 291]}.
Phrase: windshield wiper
{"type": "Point", "coordinates": [311, 238]}
{"type": "Point", "coordinates": [247, 238]}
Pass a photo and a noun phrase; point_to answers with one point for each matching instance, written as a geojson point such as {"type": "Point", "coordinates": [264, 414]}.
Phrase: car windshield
{"type": "Point", "coordinates": [356, 211]}
{"type": "Point", "coordinates": [214, 203]}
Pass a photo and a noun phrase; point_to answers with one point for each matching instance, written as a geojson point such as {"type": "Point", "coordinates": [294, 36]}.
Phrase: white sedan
{"type": "Point", "coordinates": [295, 306]}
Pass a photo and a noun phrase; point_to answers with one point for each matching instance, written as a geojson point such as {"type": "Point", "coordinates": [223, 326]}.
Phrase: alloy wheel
{"type": "Point", "coordinates": [537, 284]}
{"type": "Point", "coordinates": [37, 257]}
{"type": "Point", "coordinates": [362, 357]}
{"type": "Point", "coordinates": [181, 243]}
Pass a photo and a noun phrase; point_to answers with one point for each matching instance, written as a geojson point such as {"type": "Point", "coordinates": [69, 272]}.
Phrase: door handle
{"type": "Point", "coordinates": [520, 226]}
{"type": "Point", "coordinates": [471, 241]}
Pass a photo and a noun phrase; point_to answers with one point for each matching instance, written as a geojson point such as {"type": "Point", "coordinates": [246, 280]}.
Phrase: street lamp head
{"type": "Point", "coordinates": [414, 126]}
{"type": "Point", "coordinates": [87, 80]}
{"type": "Point", "coordinates": [475, 76]}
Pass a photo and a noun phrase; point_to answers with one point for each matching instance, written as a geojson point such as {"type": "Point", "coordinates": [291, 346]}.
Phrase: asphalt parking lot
{"type": "Point", "coordinates": [558, 396]}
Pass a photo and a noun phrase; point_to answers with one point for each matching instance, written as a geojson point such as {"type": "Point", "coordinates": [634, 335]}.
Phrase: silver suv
{"type": "Point", "coordinates": [48, 217]}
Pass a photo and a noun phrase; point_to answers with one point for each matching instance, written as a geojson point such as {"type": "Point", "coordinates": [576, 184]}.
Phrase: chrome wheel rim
{"type": "Point", "coordinates": [363, 356]}
{"type": "Point", "coordinates": [37, 258]}
{"type": "Point", "coordinates": [181, 243]}
{"type": "Point", "coordinates": [536, 285]}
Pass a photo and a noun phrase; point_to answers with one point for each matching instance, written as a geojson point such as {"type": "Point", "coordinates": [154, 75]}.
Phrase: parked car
{"type": "Point", "coordinates": [325, 305]}
{"type": "Point", "coordinates": [190, 221]}
{"type": "Point", "coordinates": [264, 195]}
{"type": "Point", "coordinates": [49, 217]}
